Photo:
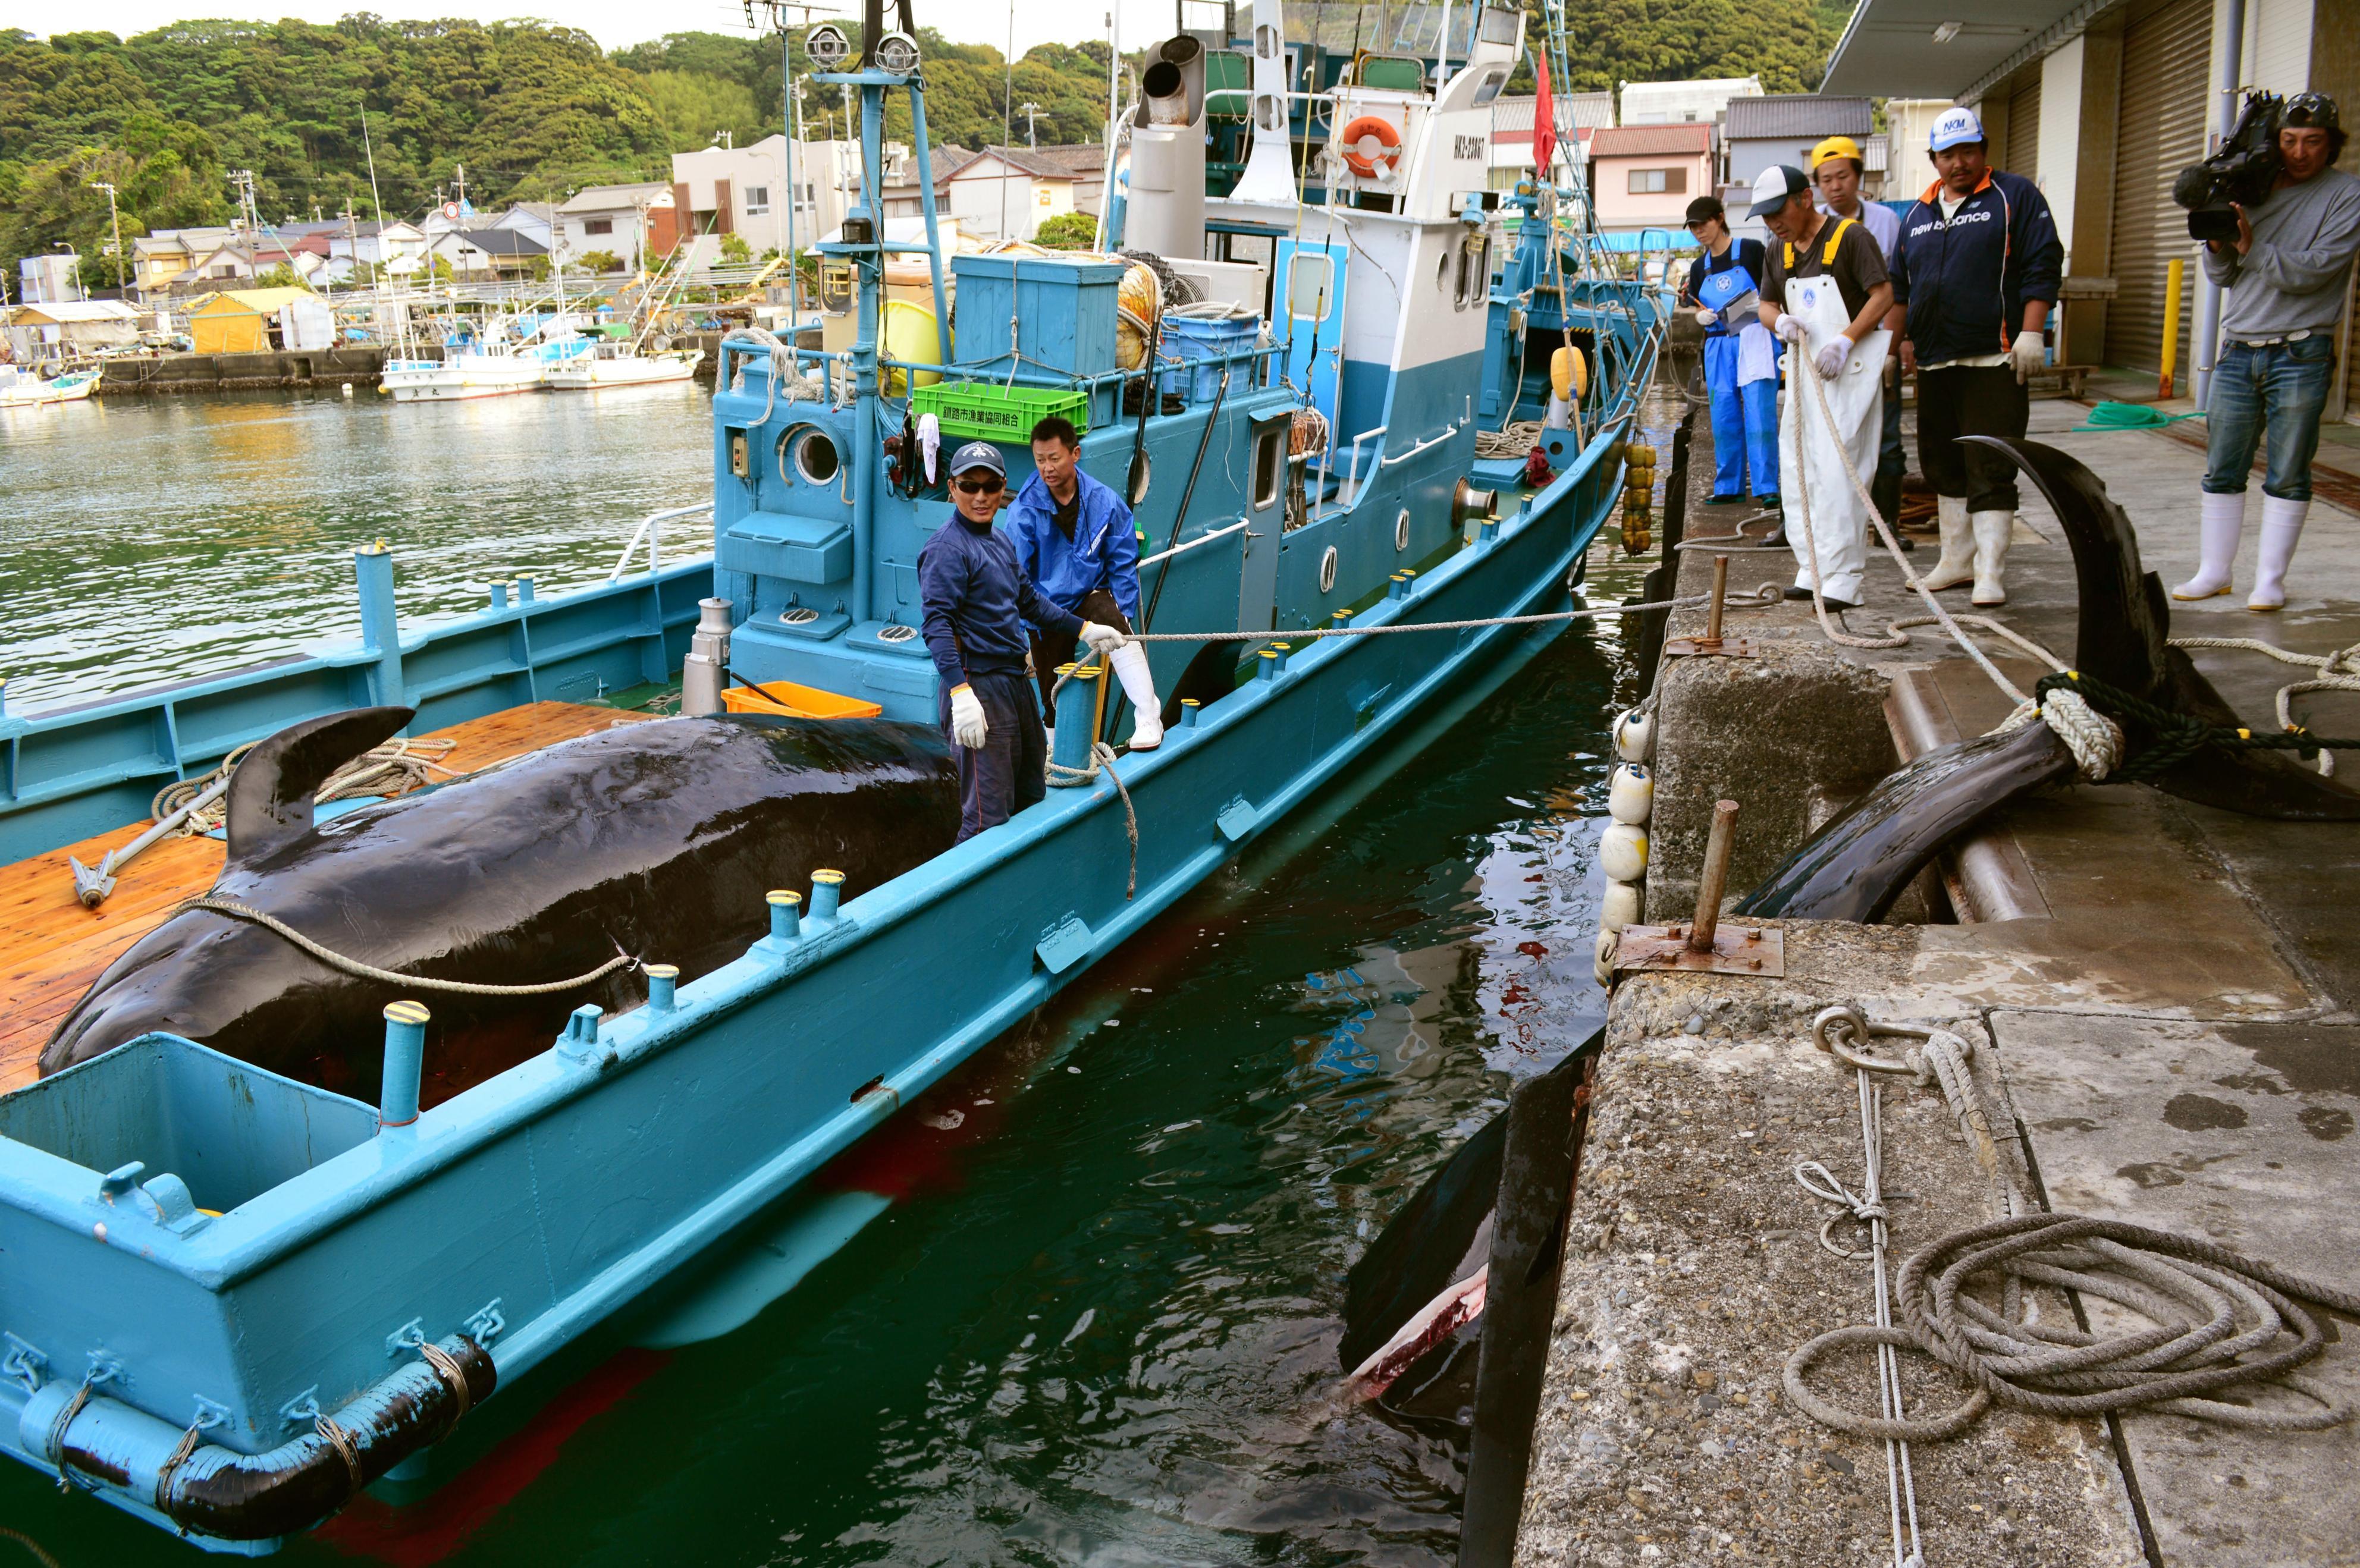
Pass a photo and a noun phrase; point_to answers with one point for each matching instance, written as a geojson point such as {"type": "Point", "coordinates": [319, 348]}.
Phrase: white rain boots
{"type": "Point", "coordinates": [1958, 562]}
{"type": "Point", "coordinates": [1992, 531]}
{"type": "Point", "coordinates": [2281, 527]}
{"type": "Point", "coordinates": [2220, 524]}
{"type": "Point", "coordinates": [1139, 685]}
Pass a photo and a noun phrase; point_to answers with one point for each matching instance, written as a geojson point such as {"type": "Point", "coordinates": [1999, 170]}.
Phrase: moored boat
{"type": "Point", "coordinates": [610, 365]}
{"type": "Point", "coordinates": [237, 1296]}
{"type": "Point", "coordinates": [21, 388]}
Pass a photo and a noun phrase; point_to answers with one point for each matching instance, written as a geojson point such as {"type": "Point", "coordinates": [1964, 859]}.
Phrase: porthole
{"type": "Point", "coordinates": [813, 452]}
{"type": "Point", "coordinates": [1328, 569]}
{"type": "Point", "coordinates": [1139, 477]}
{"type": "Point", "coordinates": [1400, 530]}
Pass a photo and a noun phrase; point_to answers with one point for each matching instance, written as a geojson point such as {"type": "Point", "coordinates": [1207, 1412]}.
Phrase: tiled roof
{"type": "Point", "coordinates": [1787, 115]}
{"type": "Point", "coordinates": [1651, 141]}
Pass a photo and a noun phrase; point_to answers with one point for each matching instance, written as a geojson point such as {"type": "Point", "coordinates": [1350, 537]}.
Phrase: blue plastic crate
{"type": "Point", "coordinates": [1063, 311]}
{"type": "Point", "coordinates": [1201, 343]}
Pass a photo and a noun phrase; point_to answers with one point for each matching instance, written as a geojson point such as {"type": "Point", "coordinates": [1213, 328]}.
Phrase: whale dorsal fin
{"type": "Point", "coordinates": [269, 800]}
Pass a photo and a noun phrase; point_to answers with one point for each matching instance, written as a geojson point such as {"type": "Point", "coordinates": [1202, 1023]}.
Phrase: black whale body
{"type": "Point", "coordinates": [657, 839]}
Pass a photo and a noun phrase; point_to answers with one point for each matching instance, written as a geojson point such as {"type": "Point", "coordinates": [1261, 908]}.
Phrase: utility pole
{"type": "Point", "coordinates": [115, 222]}
{"type": "Point", "coordinates": [1031, 110]}
{"type": "Point", "coordinates": [462, 170]}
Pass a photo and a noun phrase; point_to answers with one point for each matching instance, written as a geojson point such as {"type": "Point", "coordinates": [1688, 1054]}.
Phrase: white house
{"type": "Point", "coordinates": [239, 261]}
{"type": "Point", "coordinates": [611, 218]}
{"type": "Point", "coordinates": [51, 276]}
{"type": "Point", "coordinates": [743, 190]}
{"type": "Point", "coordinates": [1006, 192]}
{"type": "Point", "coordinates": [1680, 102]}
{"type": "Point", "coordinates": [395, 243]}
{"type": "Point", "coordinates": [491, 251]}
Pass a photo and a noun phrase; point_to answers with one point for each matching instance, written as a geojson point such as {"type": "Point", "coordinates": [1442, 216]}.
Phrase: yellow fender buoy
{"type": "Point", "coordinates": [1570, 374]}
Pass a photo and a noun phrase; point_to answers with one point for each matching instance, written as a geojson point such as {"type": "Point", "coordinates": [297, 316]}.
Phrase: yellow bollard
{"type": "Point", "coordinates": [2172, 277]}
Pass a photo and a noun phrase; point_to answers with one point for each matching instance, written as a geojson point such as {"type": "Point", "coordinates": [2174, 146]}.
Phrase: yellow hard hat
{"type": "Point", "coordinates": [1837, 147]}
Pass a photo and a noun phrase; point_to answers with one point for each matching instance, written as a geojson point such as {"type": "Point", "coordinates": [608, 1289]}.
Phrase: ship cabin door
{"type": "Point", "coordinates": [1311, 285]}
{"type": "Point", "coordinates": [1266, 487]}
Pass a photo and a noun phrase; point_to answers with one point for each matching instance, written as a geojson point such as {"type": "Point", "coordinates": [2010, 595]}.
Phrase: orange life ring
{"type": "Point", "coordinates": [1365, 165]}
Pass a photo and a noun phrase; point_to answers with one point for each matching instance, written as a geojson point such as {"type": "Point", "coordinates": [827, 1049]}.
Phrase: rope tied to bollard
{"type": "Point", "coordinates": [2218, 1320]}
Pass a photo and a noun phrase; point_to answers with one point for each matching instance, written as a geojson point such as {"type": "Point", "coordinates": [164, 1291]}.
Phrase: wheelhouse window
{"type": "Point", "coordinates": [1309, 277]}
{"type": "Point", "coordinates": [1659, 182]}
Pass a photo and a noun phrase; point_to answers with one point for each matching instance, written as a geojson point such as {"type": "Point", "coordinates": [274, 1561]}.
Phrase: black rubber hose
{"type": "Point", "coordinates": [1187, 494]}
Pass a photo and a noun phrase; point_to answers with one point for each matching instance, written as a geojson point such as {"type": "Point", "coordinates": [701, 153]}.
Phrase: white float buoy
{"type": "Point", "coordinates": [1635, 736]}
{"type": "Point", "coordinates": [1630, 796]}
{"type": "Point", "coordinates": [1622, 852]}
{"type": "Point", "coordinates": [348, 389]}
{"type": "Point", "coordinates": [1602, 963]}
{"type": "Point", "coordinates": [1622, 906]}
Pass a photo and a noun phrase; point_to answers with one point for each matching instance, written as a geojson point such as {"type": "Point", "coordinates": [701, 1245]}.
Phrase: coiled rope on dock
{"type": "Point", "coordinates": [397, 766]}
{"type": "Point", "coordinates": [2217, 1320]}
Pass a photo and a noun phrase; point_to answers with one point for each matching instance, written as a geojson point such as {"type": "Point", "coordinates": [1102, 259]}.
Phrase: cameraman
{"type": "Point", "coordinates": [2287, 274]}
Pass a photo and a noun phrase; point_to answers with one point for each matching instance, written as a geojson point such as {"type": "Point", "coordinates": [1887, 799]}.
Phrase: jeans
{"type": "Point", "coordinates": [2280, 388]}
{"type": "Point", "coordinates": [1971, 400]}
{"type": "Point", "coordinates": [1011, 770]}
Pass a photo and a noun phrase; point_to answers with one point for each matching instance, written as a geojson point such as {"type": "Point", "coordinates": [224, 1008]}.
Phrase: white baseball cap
{"type": "Point", "coordinates": [1775, 186]}
{"type": "Point", "coordinates": [1955, 127]}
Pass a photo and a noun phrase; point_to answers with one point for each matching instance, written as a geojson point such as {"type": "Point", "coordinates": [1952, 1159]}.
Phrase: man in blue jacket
{"type": "Point", "coordinates": [976, 602]}
{"type": "Point", "coordinates": [1074, 537]}
{"type": "Point", "coordinates": [1974, 277]}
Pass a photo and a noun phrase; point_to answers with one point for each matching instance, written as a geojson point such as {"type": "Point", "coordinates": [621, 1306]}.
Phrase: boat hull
{"type": "Point", "coordinates": [467, 377]}
{"type": "Point", "coordinates": [605, 375]}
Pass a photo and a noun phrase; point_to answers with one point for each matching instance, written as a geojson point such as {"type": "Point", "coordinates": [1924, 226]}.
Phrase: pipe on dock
{"type": "Point", "coordinates": [219, 1492]}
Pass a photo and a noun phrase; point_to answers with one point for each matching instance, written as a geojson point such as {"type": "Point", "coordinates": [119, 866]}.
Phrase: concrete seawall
{"type": "Point", "coordinates": [174, 374]}
{"type": "Point", "coordinates": [2161, 1001]}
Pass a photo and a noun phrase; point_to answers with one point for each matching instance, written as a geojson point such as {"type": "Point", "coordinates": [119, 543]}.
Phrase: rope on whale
{"type": "Point", "coordinates": [335, 960]}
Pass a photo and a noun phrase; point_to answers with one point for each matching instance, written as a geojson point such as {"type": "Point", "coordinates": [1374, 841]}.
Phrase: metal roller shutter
{"type": "Point", "coordinates": [2164, 53]}
{"type": "Point", "coordinates": [2022, 153]}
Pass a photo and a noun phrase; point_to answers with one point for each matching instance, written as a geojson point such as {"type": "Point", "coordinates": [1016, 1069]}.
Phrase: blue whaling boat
{"type": "Point", "coordinates": [231, 1299]}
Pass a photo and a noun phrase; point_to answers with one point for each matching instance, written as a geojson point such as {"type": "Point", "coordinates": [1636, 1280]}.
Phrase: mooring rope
{"type": "Point", "coordinates": [2218, 1320]}
{"type": "Point", "coordinates": [335, 960]}
{"type": "Point", "coordinates": [2337, 672]}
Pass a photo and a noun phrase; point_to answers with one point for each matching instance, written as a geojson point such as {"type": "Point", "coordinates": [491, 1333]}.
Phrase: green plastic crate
{"type": "Point", "coordinates": [979, 411]}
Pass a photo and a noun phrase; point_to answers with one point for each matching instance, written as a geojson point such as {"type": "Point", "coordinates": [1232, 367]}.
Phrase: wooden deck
{"type": "Point", "coordinates": [51, 948]}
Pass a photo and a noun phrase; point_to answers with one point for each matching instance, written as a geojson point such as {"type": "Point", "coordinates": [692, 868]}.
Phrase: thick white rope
{"type": "Point", "coordinates": [2337, 672]}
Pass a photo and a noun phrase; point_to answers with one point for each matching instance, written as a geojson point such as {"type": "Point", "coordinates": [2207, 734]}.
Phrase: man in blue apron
{"type": "Point", "coordinates": [976, 600]}
{"type": "Point", "coordinates": [1744, 410]}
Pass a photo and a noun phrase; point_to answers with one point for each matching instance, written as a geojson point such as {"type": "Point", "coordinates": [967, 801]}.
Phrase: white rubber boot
{"type": "Point", "coordinates": [1958, 562]}
{"type": "Point", "coordinates": [2281, 527]}
{"type": "Point", "coordinates": [2220, 524]}
{"type": "Point", "coordinates": [1992, 531]}
{"type": "Point", "coordinates": [1139, 685]}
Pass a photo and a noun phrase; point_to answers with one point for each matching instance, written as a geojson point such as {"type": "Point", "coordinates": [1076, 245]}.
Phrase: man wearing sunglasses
{"type": "Point", "coordinates": [976, 600]}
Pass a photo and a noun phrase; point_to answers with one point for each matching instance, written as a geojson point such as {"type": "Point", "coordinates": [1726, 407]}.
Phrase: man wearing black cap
{"type": "Point", "coordinates": [1744, 410]}
{"type": "Point", "coordinates": [2288, 274]}
{"type": "Point", "coordinates": [976, 600]}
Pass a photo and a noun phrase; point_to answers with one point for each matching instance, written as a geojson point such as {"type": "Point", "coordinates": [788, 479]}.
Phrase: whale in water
{"type": "Point", "coordinates": [656, 840]}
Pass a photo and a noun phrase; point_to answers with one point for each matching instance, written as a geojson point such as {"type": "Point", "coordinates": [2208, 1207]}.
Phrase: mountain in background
{"type": "Point", "coordinates": [534, 112]}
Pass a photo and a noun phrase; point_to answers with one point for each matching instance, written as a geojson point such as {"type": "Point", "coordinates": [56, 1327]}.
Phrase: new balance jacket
{"type": "Point", "coordinates": [1965, 281]}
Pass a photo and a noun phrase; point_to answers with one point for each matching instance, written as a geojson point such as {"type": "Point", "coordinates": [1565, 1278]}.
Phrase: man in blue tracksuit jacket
{"type": "Point", "coordinates": [1974, 277]}
{"type": "Point", "coordinates": [1074, 539]}
{"type": "Point", "coordinates": [977, 601]}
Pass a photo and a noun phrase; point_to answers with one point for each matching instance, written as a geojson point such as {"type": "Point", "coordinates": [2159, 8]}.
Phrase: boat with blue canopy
{"type": "Point", "coordinates": [242, 1286]}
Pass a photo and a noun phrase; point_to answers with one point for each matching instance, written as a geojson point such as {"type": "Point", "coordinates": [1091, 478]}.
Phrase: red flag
{"type": "Point", "coordinates": [1544, 121]}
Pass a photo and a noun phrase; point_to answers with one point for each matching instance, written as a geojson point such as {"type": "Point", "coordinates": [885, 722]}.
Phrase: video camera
{"type": "Point", "coordinates": [2241, 171]}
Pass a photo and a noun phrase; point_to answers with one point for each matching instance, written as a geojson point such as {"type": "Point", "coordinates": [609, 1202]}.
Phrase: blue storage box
{"type": "Point", "coordinates": [1200, 343]}
{"type": "Point", "coordinates": [1063, 311]}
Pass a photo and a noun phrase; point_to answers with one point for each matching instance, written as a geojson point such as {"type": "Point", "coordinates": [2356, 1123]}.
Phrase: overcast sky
{"type": "Point", "coordinates": [614, 23]}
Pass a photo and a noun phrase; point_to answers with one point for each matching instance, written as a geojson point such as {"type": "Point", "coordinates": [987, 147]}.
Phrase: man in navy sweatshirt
{"type": "Point", "coordinates": [1974, 276]}
{"type": "Point", "coordinates": [976, 600]}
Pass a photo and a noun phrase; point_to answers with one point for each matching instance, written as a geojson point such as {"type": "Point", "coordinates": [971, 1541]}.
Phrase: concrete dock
{"type": "Point", "coordinates": [2162, 1000]}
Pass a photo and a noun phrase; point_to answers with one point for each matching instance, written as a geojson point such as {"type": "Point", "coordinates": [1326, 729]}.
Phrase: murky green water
{"type": "Point", "coordinates": [1098, 1326]}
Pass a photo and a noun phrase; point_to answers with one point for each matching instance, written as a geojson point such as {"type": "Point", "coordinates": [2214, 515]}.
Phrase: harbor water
{"type": "Point", "coordinates": [1092, 1312]}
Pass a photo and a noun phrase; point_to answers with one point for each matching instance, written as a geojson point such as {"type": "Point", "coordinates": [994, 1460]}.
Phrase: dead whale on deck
{"type": "Point", "coordinates": [655, 839]}
{"type": "Point", "coordinates": [1858, 863]}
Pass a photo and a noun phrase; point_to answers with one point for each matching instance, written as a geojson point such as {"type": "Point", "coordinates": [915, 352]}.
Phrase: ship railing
{"type": "Point", "coordinates": [1192, 544]}
{"type": "Point", "coordinates": [651, 528]}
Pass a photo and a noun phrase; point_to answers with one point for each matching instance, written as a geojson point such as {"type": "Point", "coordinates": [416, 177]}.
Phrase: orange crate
{"type": "Point", "coordinates": [796, 701]}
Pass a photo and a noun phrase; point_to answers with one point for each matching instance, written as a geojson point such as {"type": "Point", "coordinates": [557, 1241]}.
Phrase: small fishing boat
{"type": "Point", "coordinates": [610, 365]}
{"type": "Point", "coordinates": [492, 363]}
{"type": "Point", "coordinates": [267, 1241]}
{"type": "Point", "coordinates": [21, 388]}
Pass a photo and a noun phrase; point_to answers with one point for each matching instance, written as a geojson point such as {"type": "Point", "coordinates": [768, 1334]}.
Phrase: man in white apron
{"type": "Point", "coordinates": [1825, 292]}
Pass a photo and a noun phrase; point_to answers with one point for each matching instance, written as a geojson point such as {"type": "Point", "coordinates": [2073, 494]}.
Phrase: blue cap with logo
{"type": "Point", "coordinates": [1955, 127]}
{"type": "Point", "coordinates": [979, 455]}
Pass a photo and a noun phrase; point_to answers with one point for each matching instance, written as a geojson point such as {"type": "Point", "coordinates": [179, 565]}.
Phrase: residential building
{"type": "Point", "coordinates": [743, 191]}
{"type": "Point", "coordinates": [1683, 102]}
{"type": "Point", "coordinates": [394, 245]}
{"type": "Point", "coordinates": [489, 252]}
{"type": "Point", "coordinates": [164, 258]}
{"type": "Point", "coordinates": [52, 276]}
{"type": "Point", "coordinates": [248, 256]}
{"type": "Point", "coordinates": [2102, 102]}
{"type": "Point", "coordinates": [1782, 127]}
{"type": "Point", "coordinates": [1007, 192]}
{"type": "Point", "coordinates": [1512, 135]}
{"type": "Point", "coordinates": [614, 219]}
{"type": "Point", "coordinates": [1646, 176]}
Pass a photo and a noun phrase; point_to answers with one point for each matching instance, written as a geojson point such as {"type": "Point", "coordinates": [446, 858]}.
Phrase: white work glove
{"type": "Point", "coordinates": [1831, 359]}
{"type": "Point", "coordinates": [1102, 639]}
{"type": "Point", "coordinates": [2028, 353]}
{"type": "Point", "coordinates": [968, 727]}
{"type": "Point", "coordinates": [1789, 328]}
{"type": "Point", "coordinates": [1705, 318]}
